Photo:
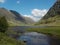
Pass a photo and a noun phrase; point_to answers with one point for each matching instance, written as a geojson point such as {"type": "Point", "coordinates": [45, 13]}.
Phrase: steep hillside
{"type": "Point", "coordinates": [13, 17]}
{"type": "Point", "coordinates": [52, 17]}
{"type": "Point", "coordinates": [18, 16]}
{"type": "Point", "coordinates": [53, 11]}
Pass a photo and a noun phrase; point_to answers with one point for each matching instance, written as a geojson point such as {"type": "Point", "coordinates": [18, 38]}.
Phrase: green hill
{"type": "Point", "coordinates": [5, 39]}
{"type": "Point", "coordinates": [13, 17]}
{"type": "Point", "coordinates": [52, 18]}
{"type": "Point", "coordinates": [10, 17]}
{"type": "Point", "coordinates": [52, 21]}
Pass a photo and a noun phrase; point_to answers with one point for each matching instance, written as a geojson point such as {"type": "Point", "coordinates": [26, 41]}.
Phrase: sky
{"type": "Point", "coordinates": [34, 9]}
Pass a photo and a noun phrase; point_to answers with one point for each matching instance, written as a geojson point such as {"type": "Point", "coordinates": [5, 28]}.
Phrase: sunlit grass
{"type": "Point", "coordinates": [52, 21]}
{"type": "Point", "coordinates": [55, 31]}
{"type": "Point", "coordinates": [5, 40]}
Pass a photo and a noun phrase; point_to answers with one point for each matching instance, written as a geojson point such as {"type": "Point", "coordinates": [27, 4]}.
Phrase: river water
{"type": "Point", "coordinates": [32, 38]}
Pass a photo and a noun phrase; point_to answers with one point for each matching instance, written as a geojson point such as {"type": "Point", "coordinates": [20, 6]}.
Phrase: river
{"type": "Point", "coordinates": [32, 38]}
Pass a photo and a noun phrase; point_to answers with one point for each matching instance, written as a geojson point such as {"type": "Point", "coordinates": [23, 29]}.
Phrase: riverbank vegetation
{"type": "Point", "coordinates": [4, 38]}
{"type": "Point", "coordinates": [47, 30]}
{"type": "Point", "coordinates": [3, 24]}
{"type": "Point", "coordinates": [52, 32]}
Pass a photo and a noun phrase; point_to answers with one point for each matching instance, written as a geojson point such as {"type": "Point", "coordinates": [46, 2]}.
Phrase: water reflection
{"type": "Point", "coordinates": [34, 38]}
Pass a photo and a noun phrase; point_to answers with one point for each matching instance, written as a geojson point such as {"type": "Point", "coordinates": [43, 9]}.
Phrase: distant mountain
{"type": "Point", "coordinates": [18, 16]}
{"type": "Point", "coordinates": [26, 20]}
{"type": "Point", "coordinates": [52, 16]}
{"type": "Point", "coordinates": [13, 17]}
{"type": "Point", "coordinates": [29, 20]}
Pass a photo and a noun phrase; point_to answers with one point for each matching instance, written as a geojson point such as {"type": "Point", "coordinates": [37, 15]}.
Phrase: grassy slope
{"type": "Point", "coordinates": [5, 40]}
{"type": "Point", "coordinates": [52, 21]}
{"type": "Point", "coordinates": [16, 24]}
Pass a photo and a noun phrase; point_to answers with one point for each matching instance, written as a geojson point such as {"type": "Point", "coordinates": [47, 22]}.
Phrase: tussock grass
{"type": "Point", "coordinates": [5, 40]}
{"type": "Point", "coordinates": [55, 31]}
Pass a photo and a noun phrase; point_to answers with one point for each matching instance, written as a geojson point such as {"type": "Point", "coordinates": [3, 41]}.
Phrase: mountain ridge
{"type": "Point", "coordinates": [13, 17]}
{"type": "Point", "coordinates": [52, 16]}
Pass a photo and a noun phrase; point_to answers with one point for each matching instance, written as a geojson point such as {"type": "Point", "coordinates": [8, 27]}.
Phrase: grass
{"type": "Point", "coordinates": [55, 31]}
{"type": "Point", "coordinates": [52, 21]}
{"type": "Point", "coordinates": [18, 24]}
{"type": "Point", "coordinates": [52, 32]}
{"type": "Point", "coordinates": [5, 40]}
{"type": "Point", "coordinates": [15, 23]}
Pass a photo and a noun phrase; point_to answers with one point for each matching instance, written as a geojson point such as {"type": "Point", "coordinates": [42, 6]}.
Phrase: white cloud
{"type": "Point", "coordinates": [2, 1]}
{"type": "Point", "coordinates": [18, 2]}
{"type": "Point", "coordinates": [36, 14]}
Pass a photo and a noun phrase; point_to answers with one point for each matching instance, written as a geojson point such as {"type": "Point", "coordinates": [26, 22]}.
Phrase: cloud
{"type": "Point", "coordinates": [37, 14]}
{"type": "Point", "coordinates": [18, 2]}
{"type": "Point", "coordinates": [2, 1]}
{"type": "Point", "coordinates": [32, 17]}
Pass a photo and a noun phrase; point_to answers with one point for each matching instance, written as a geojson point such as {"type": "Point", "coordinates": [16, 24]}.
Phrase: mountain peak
{"type": "Point", "coordinates": [52, 18]}
{"type": "Point", "coordinates": [13, 17]}
{"type": "Point", "coordinates": [53, 11]}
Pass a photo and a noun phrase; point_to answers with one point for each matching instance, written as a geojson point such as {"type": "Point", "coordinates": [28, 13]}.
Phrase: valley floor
{"type": "Point", "coordinates": [53, 32]}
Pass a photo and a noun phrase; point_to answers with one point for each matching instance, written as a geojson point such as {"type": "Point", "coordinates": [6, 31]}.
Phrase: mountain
{"type": "Point", "coordinates": [29, 20]}
{"type": "Point", "coordinates": [18, 16]}
{"type": "Point", "coordinates": [53, 11]}
{"type": "Point", "coordinates": [53, 15]}
{"type": "Point", "coordinates": [26, 20]}
{"type": "Point", "coordinates": [13, 17]}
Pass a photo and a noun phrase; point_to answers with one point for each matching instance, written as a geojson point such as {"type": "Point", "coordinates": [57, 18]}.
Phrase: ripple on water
{"type": "Point", "coordinates": [34, 38]}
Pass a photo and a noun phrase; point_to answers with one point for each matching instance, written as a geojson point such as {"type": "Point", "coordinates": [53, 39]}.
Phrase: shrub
{"type": "Point", "coordinates": [3, 24]}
